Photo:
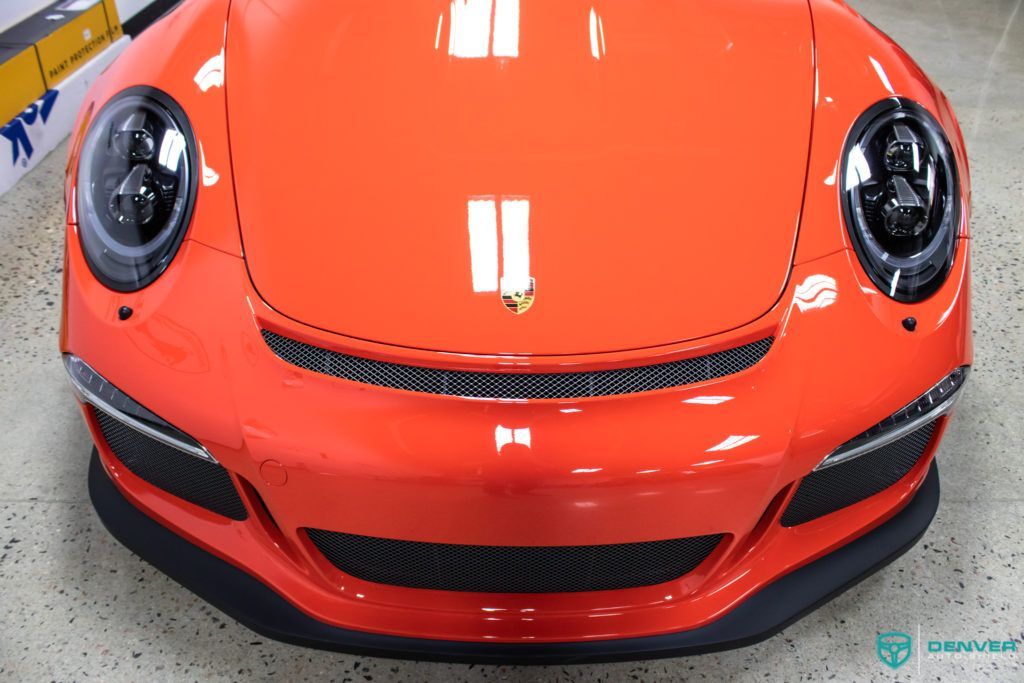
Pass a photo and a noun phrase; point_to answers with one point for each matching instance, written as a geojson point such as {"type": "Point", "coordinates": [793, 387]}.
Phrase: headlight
{"type": "Point", "coordinates": [136, 187]}
{"type": "Point", "coordinates": [901, 196]}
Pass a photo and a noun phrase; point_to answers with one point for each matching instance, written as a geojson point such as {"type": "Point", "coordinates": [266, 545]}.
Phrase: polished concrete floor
{"type": "Point", "coordinates": [76, 605]}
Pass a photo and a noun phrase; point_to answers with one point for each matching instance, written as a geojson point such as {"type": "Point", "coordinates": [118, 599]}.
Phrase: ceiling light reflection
{"type": "Point", "coordinates": [210, 176]}
{"type": "Point", "coordinates": [731, 442]}
{"type": "Point", "coordinates": [472, 35]}
{"type": "Point", "coordinates": [483, 244]}
{"type": "Point", "coordinates": [708, 400]}
{"type": "Point", "coordinates": [515, 244]}
{"type": "Point", "coordinates": [513, 220]}
{"type": "Point", "coordinates": [506, 29]}
{"type": "Point", "coordinates": [211, 73]}
{"type": "Point", "coordinates": [817, 291]}
{"type": "Point", "coordinates": [858, 171]}
{"type": "Point", "coordinates": [172, 148]}
{"type": "Point", "coordinates": [882, 76]}
{"type": "Point", "coordinates": [504, 436]}
{"type": "Point", "coordinates": [597, 49]}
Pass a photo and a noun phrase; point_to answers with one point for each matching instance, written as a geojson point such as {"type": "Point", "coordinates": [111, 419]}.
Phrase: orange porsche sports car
{"type": "Point", "coordinates": [512, 330]}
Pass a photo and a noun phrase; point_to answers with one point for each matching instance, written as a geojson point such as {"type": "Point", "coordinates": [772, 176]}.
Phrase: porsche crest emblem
{"type": "Point", "coordinates": [519, 300]}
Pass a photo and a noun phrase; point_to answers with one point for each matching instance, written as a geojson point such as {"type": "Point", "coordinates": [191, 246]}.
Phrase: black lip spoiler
{"type": "Point", "coordinates": [258, 607]}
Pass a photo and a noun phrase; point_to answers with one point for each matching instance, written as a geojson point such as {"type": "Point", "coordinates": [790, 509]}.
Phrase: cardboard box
{"type": "Point", "coordinates": [22, 80]}
{"type": "Point", "coordinates": [114, 28]}
{"type": "Point", "coordinates": [66, 35]}
{"type": "Point", "coordinates": [45, 122]}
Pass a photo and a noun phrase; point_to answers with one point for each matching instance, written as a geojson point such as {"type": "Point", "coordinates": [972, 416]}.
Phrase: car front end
{"type": "Point", "coordinates": [673, 430]}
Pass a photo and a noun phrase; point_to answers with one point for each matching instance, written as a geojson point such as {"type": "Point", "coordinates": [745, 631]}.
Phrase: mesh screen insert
{"type": "Point", "coordinates": [512, 569]}
{"type": "Point", "coordinates": [198, 481]}
{"type": "Point", "coordinates": [517, 385]}
{"type": "Point", "coordinates": [839, 486]}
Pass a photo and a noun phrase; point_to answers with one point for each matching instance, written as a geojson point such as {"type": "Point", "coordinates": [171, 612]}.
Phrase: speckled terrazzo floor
{"type": "Point", "coordinates": [76, 605]}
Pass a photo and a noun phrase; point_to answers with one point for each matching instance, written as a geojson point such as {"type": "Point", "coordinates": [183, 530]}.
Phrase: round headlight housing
{"type": "Point", "coordinates": [136, 186]}
{"type": "Point", "coordinates": [901, 198]}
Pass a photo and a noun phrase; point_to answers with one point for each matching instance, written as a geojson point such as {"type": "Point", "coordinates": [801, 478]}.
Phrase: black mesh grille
{"type": "Point", "coordinates": [850, 482]}
{"type": "Point", "coordinates": [512, 569]}
{"type": "Point", "coordinates": [203, 483]}
{"type": "Point", "coordinates": [517, 385]}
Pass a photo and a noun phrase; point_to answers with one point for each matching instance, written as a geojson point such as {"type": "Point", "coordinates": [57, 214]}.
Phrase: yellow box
{"type": "Point", "coordinates": [22, 80]}
{"type": "Point", "coordinates": [77, 40]}
{"type": "Point", "coordinates": [114, 28]}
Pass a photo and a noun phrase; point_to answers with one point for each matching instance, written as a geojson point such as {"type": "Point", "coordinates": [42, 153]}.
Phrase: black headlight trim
{"type": "Point", "coordinates": [97, 255]}
{"type": "Point", "coordinates": [914, 276]}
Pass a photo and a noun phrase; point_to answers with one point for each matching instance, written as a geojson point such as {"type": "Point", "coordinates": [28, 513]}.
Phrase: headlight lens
{"type": "Point", "coordinates": [136, 187]}
{"type": "Point", "coordinates": [901, 197]}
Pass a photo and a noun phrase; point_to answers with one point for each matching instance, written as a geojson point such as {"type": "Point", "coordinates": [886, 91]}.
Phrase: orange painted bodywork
{"type": "Point", "coordinates": [641, 165]}
{"type": "Point", "coordinates": [356, 240]}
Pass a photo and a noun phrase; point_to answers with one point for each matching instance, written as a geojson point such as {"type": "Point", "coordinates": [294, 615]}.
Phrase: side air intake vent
{"type": "Point", "coordinates": [188, 477]}
{"type": "Point", "coordinates": [827, 490]}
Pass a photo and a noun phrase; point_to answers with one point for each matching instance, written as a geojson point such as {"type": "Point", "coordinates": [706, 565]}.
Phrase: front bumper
{"type": "Point", "coordinates": [258, 607]}
{"type": "Point", "coordinates": [311, 451]}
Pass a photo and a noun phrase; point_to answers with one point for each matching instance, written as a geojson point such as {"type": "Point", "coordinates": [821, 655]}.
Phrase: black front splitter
{"type": "Point", "coordinates": [763, 615]}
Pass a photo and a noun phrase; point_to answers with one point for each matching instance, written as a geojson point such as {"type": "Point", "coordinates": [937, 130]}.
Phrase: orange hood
{"type": "Point", "coordinates": [641, 163]}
